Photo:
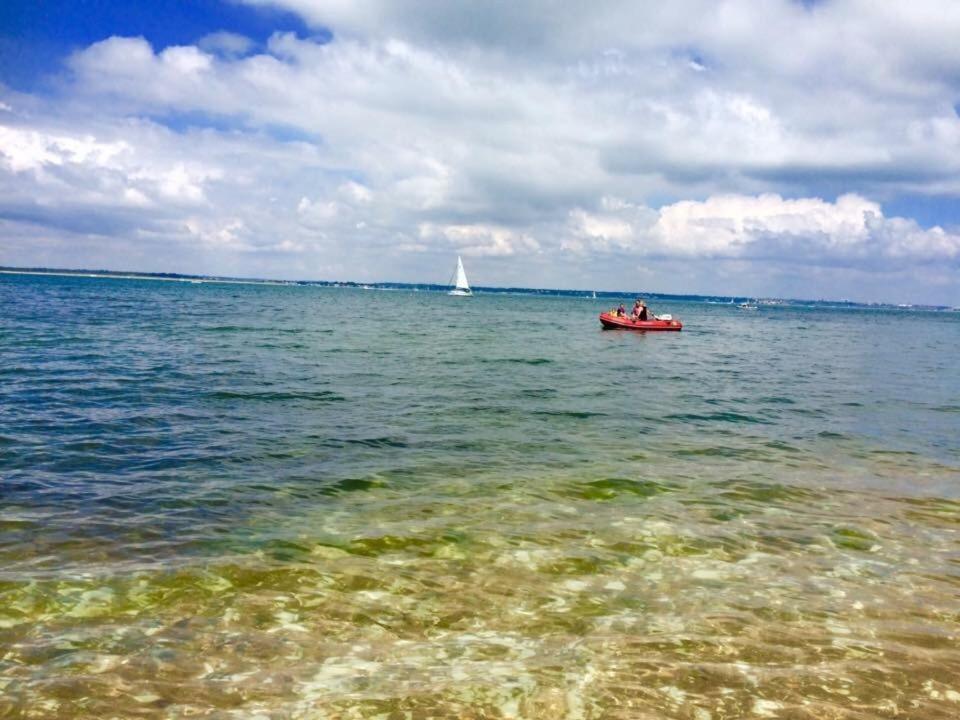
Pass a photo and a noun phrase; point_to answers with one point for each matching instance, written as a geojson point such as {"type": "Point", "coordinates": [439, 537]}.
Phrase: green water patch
{"type": "Point", "coordinates": [581, 563]}
{"type": "Point", "coordinates": [611, 488]}
{"type": "Point", "coordinates": [736, 492]}
{"type": "Point", "coordinates": [851, 538]}
{"type": "Point", "coordinates": [287, 551]}
{"type": "Point", "coordinates": [351, 485]}
{"type": "Point", "coordinates": [414, 545]}
{"type": "Point", "coordinates": [939, 510]}
{"type": "Point", "coordinates": [730, 452]}
{"type": "Point", "coordinates": [728, 514]}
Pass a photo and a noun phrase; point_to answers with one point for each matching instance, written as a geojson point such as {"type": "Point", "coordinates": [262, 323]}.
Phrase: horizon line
{"type": "Point", "coordinates": [387, 284]}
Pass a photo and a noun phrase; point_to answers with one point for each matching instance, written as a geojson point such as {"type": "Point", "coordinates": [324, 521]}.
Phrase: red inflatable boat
{"type": "Point", "coordinates": [612, 322]}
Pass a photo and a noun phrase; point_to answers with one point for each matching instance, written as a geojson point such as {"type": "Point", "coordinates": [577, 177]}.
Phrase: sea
{"type": "Point", "coordinates": [223, 500]}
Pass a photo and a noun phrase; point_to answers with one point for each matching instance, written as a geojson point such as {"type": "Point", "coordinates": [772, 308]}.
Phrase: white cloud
{"type": "Point", "coordinates": [27, 150]}
{"type": "Point", "coordinates": [559, 140]}
{"type": "Point", "coordinates": [807, 231]}
{"type": "Point", "coordinates": [480, 240]}
{"type": "Point", "coordinates": [98, 171]}
{"type": "Point", "coordinates": [736, 225]}
{"type": "Point", "coordinates": [228, 235]}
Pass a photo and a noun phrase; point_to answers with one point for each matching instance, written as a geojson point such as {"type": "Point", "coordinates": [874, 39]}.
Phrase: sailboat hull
{"type": "Point", "coordinates": [612, 322]}
{"type": "Point", "coordinates": [461, 293]}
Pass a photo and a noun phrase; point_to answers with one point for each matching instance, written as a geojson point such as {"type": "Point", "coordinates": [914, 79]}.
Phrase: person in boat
{"type": "Point", "coordinates": [621, 311]}
{"type": "Point", "coordinates": [639, 311]}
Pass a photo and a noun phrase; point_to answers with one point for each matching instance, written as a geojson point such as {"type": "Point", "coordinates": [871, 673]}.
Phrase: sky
{"type": "Point", "coordinates": [771, 149]}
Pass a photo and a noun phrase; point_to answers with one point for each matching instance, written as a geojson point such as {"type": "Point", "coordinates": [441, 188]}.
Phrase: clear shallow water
{"type": "Point", "coordinates": [241, 501]}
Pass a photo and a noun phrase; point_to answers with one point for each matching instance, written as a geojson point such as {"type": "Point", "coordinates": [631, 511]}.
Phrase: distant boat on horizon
{"type": "Point", "coordinates": [461, 287]}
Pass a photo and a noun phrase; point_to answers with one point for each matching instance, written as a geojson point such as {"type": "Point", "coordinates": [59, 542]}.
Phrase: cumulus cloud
{"type": "Point", "coordinates": [26, 150]}
{"type": "Point", "coordinates": [480, 240]}
{"type": "Point", "coordinates": [740, 226]}
{"type": "Point", "coordinates": [807, 231]}
{"type": "Point", "coordinates": [542, 143]}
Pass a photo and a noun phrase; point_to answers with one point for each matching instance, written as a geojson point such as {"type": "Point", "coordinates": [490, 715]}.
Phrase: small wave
{"type": "Point", "coordinates": [230, 328]}
{"type": "Point", "coordinates": [538, 393]}
{"type": "Point", "coordinates": [275, 396]}
{"type": "Point", "coordinates": [722, 452]}
{"type": "Point", "coordinates": [519, 361]}
{"type": "Point", "coordinates": [580, 414]}
{"type": "Point", "coordinates": [763, 492]}
{"type": "Point", "coordinates": [808, 412]}
{"type": "Point", "coordinates": [778, 400]}
{"type": "Point", "coordinates": [946, 408]}
{"type": "Point", "coordinates": [733, 417]}
{"type": "Point", "coordinates": [894, 454]}
{"type": "Point", "coordinates": [780, 445]}
{"type": "Point", "coordinates": [374, 442]}
{"type": "Point", "coordinates": [281, 346]}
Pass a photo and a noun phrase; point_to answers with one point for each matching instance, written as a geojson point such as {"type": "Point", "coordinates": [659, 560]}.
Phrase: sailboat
{"type": "Point", "coordinates": [461, 287]}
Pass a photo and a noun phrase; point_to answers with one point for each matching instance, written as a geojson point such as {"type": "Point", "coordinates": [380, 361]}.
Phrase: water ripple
{"type": "Point", "coordinates": [243, 507]}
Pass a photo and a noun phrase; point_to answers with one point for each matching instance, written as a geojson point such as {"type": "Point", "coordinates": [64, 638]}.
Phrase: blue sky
{"type": "Point", "coordinates": [775, 149]}
{"type": "Point", "coordinates": [37, 35]}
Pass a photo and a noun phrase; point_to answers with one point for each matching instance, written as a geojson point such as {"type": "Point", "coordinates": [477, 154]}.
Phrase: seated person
{"type": "Point", "coordinates": [621, 311]}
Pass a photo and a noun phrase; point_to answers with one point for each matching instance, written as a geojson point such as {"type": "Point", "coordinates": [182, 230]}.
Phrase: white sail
{"type": "Point", "coordinates": [461, 286]}
{"type": "Point", "coordinates": [461, 283]}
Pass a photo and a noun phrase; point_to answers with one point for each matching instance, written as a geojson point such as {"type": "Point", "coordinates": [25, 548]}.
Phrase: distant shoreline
{"type": "Point", "coordinates": [140, 276]}
{"type": "Point", "coordinates": [429, 287]}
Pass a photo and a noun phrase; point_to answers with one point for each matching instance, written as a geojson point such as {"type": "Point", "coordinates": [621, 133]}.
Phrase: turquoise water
{"type": "Point", "coordinates": [253, 501]}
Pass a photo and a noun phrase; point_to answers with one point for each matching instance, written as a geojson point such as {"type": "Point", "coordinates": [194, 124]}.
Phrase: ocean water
{"type": "Point", "coordinates": [252, 501]}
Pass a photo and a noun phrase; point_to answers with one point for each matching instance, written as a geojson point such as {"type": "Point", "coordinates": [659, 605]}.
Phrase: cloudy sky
{"type": "Point", "coordinates": [780, 148]}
